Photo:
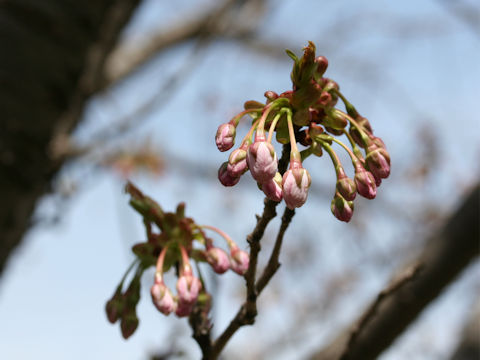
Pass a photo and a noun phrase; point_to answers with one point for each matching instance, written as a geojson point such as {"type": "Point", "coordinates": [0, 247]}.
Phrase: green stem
{"type": "Point", "coordinates": [223, 234]}
{"type": "Point", "coordinates": [159, 267]}
{"type": "Point", "coordinates": [128, 271]}
{"type": "Point", "coordinates": [356, 150]}
{"type": "Point", "coordinates": [266, 110]}
{"type": "Point", "coordinates": [346, 102]}
{"type": "Point", "coordinates": [248, 138]}
{"type": "Point", "coordinates": [363, 135]}
{"type": "Point", "coordinates": [237, 117]}
{"type": "Point", "coordinates": [352, 155]}
{"type": "Point", "coordinates": [273, 125]}
{"type": "Point", "coordinates": [294, 153]}
{"type": "Point", "coordinates": [332, 153]}
{"type": "Point", "coordinates": [186, 268]}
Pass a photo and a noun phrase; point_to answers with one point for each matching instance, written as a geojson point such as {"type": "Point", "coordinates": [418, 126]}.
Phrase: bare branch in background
{"type": "Point", "coordinates": [469, 346]}
{"type": "Point", "coordinates": [467, 14]}
{"type": "Point", "coordinates": [236, 16]}
{"type": "Point", "coordinates": [449, 251]}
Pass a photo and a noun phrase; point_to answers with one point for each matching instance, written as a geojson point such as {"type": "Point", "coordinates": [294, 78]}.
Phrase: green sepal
{"type": "Point", "coordinates": [301, 118]}
{"type": "Point", "coordinates": [316, 148]}
{"type": "Point", "coordinates": [252, 104]}
{"type": "Point", "coordinates": [198, 255]}
{"type": "Point", "coordinates": [146, 252]}
{"type": "Point", "coordinates": [292, 55]}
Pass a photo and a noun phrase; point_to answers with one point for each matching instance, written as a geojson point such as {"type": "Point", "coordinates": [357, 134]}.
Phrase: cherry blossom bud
{"type": "Point", "coordinates": [129, 324]}
{"type": "Point", "coordinates": [225, 137]}
{"type": "Point", "coordinates": [355, 133]}
{"type": "Point", "coordinates": [341, 208]}
{"type": "Point", "coordinates": [262, 161]}
{"type": "Point", "coordinates": [324, 99]}
{"type": "Point", "coordinates": [378, 162]}
{"type": "Point", "coordinates": [237, 163]}
{"type": "Point", "coordinates": [336, 120]}
{"type": "Point", "coordinates": [295, 185]}
{"type": "Point", "coordinates": [322, 64]}
{"type": "Point", "coordinates": [271, 95]}
{"type": "Point", "coordinates": [365, 183]}
{"type": "Point", "coordinates": [273, 188]}
{"type": "Point", "coordinates": [162, 298]}
{"type": "Point", "coordinates": [240, 260]}
{"type": "Point", "coordinates": [114, 306]}
{"type": "Point", "coordinates": [346, 186]}
{"type": "Point", "coordinates": [183, 309]}
{"type": "Point", "coordinates": [218, 259]}
{"type": "Point", "coordinates": [224, 176]}
{"type": "Point", "coordinates": [188, 287]}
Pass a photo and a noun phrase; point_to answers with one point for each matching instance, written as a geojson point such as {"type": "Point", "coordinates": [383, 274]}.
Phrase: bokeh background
{"type": "Point", "coordinates": [412, 68]}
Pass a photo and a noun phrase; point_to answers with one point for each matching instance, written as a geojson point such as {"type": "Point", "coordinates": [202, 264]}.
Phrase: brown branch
{"type": "Point", "coordinates": [273, 262]}
{"type": "Point", "coordinates": [201, 326]}
{"type": "Point", "coordinates": [248, 310]}
{"type": "Point", "coordinates": [370, 313]}
{"type": "Point", "coordinates": [444, 256]}
{"type": "Point", "coordinates": [127, 58]}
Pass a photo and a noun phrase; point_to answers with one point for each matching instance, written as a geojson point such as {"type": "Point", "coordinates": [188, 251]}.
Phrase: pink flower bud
{"type": "Point", "coordinates": [262, 161]}
{"type": "Point", "coordinates": [183, 309]}
{"type": "Point", "coordinates": [295, 185]}
{"type": "Point", "coordinates": [188, 287]}
{"type": "Point", "coordinates": [273, 188]}
{"type": "Point", "coordinates": [240, 260]}
{"type": "Point", "coordinates": [162, 298]}
{"type": "Point", "coordinates": [355, 133]}
{"type": "Point", "coordinates": [218, 259]}
{"type": "Point", "coordinates": [237, 163]}
{"type": "Point", "coordinates": [341, 208]}
{"type": "Point", "coordinates": [378, 162]}
{"type": "Point", "coordinates": [365, 183]}
{"type": "Point", "coordinates": [225, 137]}
{"type": "Point", "coordinates": [346, 186]}
{"type": "Point", "coordinates": [322, 64]}
{"type": "Point", "coordinates": [224, 176]}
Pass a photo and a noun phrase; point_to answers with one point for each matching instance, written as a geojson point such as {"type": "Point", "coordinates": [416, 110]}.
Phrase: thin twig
{"type": "Point", "coordinates": [248, 311]}
{"type": "Point", "coordinates": [273, 263]}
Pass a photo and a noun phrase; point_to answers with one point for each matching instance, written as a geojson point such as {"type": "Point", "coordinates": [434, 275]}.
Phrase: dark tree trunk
{"type": "Point", "coordinates": [51, 60]}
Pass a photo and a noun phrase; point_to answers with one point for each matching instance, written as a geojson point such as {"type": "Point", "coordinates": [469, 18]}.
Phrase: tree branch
{"type": "Point", "coordinates": [129, 57]}
{"type": "Point", "coordinates": [444, 256]}
{"type": "Point", "coordinates": [248, 311]}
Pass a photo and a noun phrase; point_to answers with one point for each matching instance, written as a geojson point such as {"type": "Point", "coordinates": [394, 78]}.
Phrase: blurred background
{"type": "Point", "coordinates": [180, 69]}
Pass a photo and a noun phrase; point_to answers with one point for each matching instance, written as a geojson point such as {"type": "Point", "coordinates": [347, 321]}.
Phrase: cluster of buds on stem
{"type": "Point", "coordinates": [179, 243]}
{"type": "Point", "coordinates": [307, 114]}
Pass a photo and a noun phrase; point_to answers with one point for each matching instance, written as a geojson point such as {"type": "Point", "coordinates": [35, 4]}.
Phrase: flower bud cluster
{"type": "Point", "coordinates": [307, 114]}
{"type": "Point", "coordinates": [179, 243]}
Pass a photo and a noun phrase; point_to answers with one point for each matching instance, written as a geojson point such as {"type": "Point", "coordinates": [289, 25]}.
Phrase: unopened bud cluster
{"type": "Point", "coordinates": [307, 115]}
{"type": "Point", "coordinates": [179, 243]}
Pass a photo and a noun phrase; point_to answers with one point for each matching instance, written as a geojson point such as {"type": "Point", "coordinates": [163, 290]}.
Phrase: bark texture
{"type": "Point", "coordinates": [52, 57]}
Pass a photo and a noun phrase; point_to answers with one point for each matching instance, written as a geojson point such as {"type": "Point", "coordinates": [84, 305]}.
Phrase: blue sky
{"type": "Point", "coordinates": [53, 293]}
